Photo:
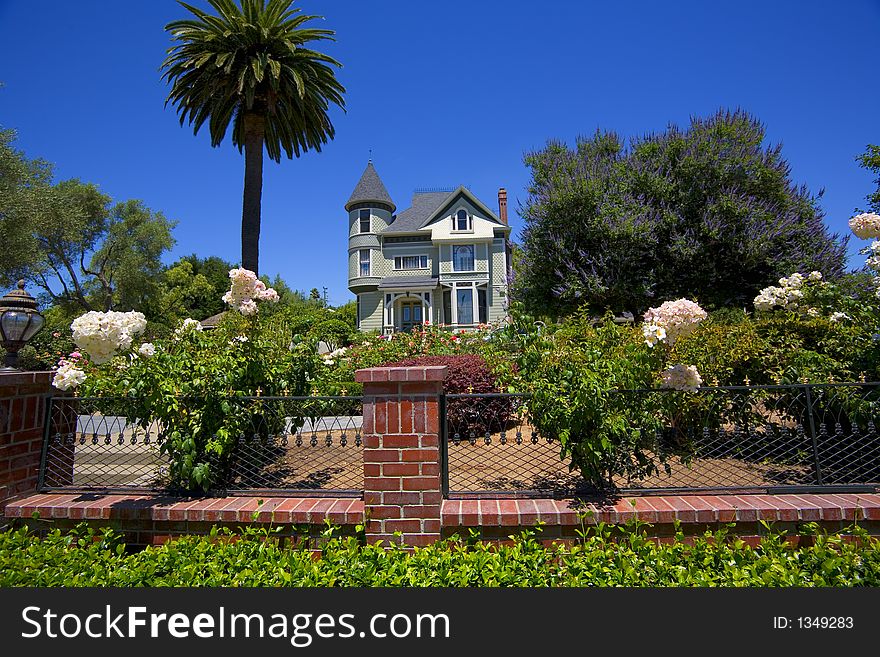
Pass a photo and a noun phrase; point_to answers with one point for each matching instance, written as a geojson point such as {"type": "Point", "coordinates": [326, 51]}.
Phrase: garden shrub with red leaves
{"type": "Point", "coordinates": [468, 373]}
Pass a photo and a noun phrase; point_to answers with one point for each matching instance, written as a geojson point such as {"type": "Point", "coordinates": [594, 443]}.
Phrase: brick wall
{"type": "Point", "coordinates": [22, 416]}
{"type": "Point", "coordinates": [401, 434]}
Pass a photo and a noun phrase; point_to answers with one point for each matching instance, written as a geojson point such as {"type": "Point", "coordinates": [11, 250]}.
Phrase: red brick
{"type": "Point", "coordinates": [429, 455]}
{"type": "Point", "coordinates": [30, 413]}
{"type": "Point", "coordinates": [381, 391]}
{"type": "Point", "coordinates": [381, 456]}
{"type": "Point", "coordinates": [380, 424]}
{"type": "Point", "coordinates": [372, 497]}
{"type": "Point", "coordinates": [401, 469]}
{"type": "Point", "coordinates": [381, 483]}
{"type": "Point", "coordinates": [681, 510]}
{"type": "Point", "coordinates": [401, 441]}
{"type": "Point", "coordinates": [229, 513]}
{"type": "Point", "coordinates": [402, 498]}
{"type": "Point", "coordinates": [372, 469]}
{"type": "Point", "coordinates": [432, 418]}
{"type": "Point", "coordinates": [384, 512]}
{"type": "Point", "coordinates": [371, 441]}
{"type": "Point", "coordinates": [725, 511]}
{"type": "Point", "coordinates": [704, 512]}
{"type": "Point", "coordinates": [16, 415]}
{"type": "Point", "coordinates": [28, 434]}
{"type": "Point", "coordinates": [414, 526]}
{"type": "Point", "coordinates": [547, 511]}
{"type": "Point", "coordinates": [746, 511]}
{"type": "Point", "coordinates": [397, 374]}
{"type": "Point", "coordinates": [300, 512]}
{"type": "Point", "coordinates": [435, 372]}
{"type": "Point", "coordinates": [469, 515]}
{"type": "Point", "coordinates": [421, 483]}
{"type": "Point", "coordinates": [426, 497]}
{"type": "Point", "coordinates": [783, 509]}
{"type": "Point", "coordinates": [318, 513]}
{"type": "Point", "coordinates": [374, 526]}
{"type": "Point", "coordinates": [346, 512]}
{"type": "Point", "coordinates": [421, 511]}
{"type": "Point", "coordinates": [419, 418]}
{"type": "Point", "coordinates": [392, 410]}
{"type": "Point", "coordinates": [406, 411]}
{"type": "Point", "coordinates": [489, 512]}
{"type": "Point", "coordinates": [665, 511]}
{"type": "Point", "coordinates": [430, 469]}
{"type": "Point", "coordinates": [640, 507]}
{"type": "Point", "coordinates": [423, 391]}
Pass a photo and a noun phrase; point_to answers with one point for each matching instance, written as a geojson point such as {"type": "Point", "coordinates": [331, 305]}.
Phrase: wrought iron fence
{"type": "Point", "coordinates": [308, 445]}
{"type": "Point", "coordinates": [745, 438]}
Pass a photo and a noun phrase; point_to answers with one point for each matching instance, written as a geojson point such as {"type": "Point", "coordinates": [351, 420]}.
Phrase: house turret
{"type": "Point", "coordinates": [370, 211]}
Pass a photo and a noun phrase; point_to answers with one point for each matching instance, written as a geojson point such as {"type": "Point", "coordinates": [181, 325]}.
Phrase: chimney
{"type": "Point", "coordinates": [502, 205]}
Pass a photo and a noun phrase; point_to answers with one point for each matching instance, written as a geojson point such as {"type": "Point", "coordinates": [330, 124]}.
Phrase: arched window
{"type": "Point", "coordinates": [462, 221]}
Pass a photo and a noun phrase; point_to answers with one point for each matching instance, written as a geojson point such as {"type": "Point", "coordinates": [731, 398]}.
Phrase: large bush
{"type": "Point", "coordinates": [707, 212]}
{"type": "Point", "coordinates": [601, 558]}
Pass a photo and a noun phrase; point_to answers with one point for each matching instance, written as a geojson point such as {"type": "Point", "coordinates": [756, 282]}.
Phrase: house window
{"type": "Point", "coordinates": [462, 221]}
{"type": "Point", "coordinates": [463, 257]}
{"type": "Point", "coordinates": [482, 307]}
{"type": "Point", "coordinates": [447, 306]}
{"type": "Point", "coordinates": [364, 216]}
{"type": "Point", "coordinates": [464, 302]}
{"type": "Point", "coordinates": [411, 262]}
{"type": "Point", "coordinates": [365, 262]}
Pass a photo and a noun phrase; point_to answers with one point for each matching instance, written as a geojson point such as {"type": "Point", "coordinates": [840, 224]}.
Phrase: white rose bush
{"type": "Point", "coordinates": [196, 383]}
{"type": "Point", "coordinates": [666, 324]}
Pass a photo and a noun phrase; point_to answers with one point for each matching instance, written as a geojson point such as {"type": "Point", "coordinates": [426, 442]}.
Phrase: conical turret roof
{"type": "Point", "coordinates": [370, 189]}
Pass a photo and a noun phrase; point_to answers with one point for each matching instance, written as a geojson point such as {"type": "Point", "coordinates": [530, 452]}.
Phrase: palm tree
{"type": "Point", "coordinates": [249, 65]}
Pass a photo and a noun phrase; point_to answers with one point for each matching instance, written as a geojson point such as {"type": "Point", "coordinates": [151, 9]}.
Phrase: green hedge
{"type": "Point", "coordinates": [85, 557]}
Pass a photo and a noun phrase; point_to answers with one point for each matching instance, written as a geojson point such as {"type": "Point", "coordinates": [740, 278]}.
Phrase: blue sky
{"type": "Point", "coordinates": [443, 93]}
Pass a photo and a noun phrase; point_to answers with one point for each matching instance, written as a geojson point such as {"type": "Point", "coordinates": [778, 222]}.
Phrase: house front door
{"type": "Point", "coordinates": [410, 315]}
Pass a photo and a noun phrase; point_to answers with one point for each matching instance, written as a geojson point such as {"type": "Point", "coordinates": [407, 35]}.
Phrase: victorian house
{"type": "Point", "coordinates": [443, 260]}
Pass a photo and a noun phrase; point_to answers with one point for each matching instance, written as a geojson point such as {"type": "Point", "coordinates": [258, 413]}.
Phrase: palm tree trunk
{"type": "Point", "coordinates": [254, 132]}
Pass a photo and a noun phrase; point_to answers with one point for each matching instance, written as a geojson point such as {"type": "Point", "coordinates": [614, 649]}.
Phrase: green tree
{"type": "Point", "coordinates": [870, 160]}
{"type": "Point", "coordinates": [86, 253]}
{"type": "Point", "coordinates": [19, 180]}
{"type": "Point", "coordinates": [71, 241]}
{"type": "Point", "coordinates": [249, 66]}
{"type": "Point", "coordinates": [183, 293]}
{"type": "Point", "coordinates": [707, 212]}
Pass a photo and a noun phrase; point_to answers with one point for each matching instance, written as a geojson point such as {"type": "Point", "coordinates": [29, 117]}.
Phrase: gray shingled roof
{"type": "Point", "coordinates": [370, 188]}
{"type": "Point", "coordinates": [411, 219]}
{"type": "Point", "coordinates": [404, 282]}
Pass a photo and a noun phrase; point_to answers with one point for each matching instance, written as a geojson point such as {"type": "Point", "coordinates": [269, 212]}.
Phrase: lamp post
{"type": "Point", "coordinates": [19, 322]}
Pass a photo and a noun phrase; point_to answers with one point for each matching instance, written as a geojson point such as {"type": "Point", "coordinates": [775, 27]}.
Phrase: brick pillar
{"type": "Point", "coordinates": [401, 436]}
{"type": "Point", "coordinates": [22, 418]}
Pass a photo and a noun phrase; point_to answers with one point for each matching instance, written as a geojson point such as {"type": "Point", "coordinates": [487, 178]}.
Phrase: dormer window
{"type": "Point", "coordinates": [364, 217]}
{"type": "Point", "coordinates": [462, 221]}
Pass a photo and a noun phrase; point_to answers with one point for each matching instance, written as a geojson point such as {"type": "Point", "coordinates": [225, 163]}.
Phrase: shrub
{"type": "Point", "coordinates": [468, 373]}
{"type": "Point", "coordinates": [602, 557]}
{"type": "Point", "coordinates": [707, 211]}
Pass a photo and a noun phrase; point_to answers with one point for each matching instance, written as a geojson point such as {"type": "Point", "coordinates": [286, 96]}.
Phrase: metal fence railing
{"type": "Point", "coordinates": [735, 438]}
{"type": "Point", "coordinates": [308, 445]}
